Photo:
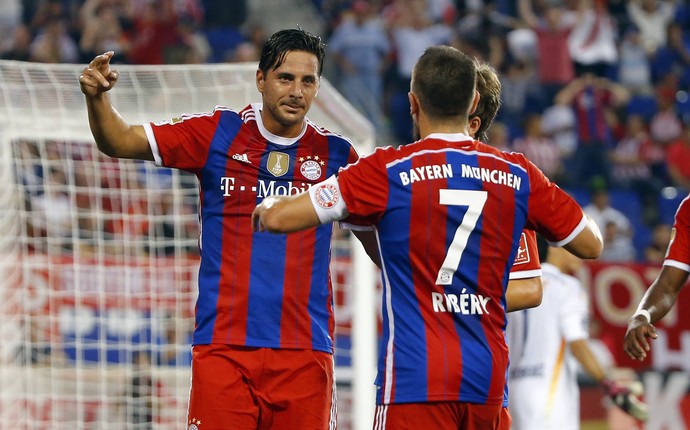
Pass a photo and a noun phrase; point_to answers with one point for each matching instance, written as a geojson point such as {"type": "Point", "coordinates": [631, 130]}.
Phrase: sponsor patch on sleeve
{"type": "Point", "coordinates": [327, 200]}
{"type": "Point", "coordinates": [326, 195]}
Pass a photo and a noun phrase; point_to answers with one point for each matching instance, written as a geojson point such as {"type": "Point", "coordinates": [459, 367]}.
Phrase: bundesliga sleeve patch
{"type": "Point", "coordinates": [522, 256]}
{"type": "Point", "coordinates": [327, 200]}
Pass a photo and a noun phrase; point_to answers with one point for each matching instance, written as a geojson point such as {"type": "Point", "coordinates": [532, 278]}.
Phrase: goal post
{"type": "Point", "coordinates": [98, 258]}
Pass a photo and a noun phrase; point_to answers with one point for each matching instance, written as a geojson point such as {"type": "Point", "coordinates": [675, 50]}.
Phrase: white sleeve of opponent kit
{"type": "Point", "coordinates": [327, 200]}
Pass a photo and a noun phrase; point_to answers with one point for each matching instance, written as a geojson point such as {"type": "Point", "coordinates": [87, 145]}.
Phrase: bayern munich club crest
{"type": "Point", "coordinates": [311, 170]}
{"type": "Point", "coordinates": [311, 167]}
{"type": "Point", "coordinates": [326, 196]}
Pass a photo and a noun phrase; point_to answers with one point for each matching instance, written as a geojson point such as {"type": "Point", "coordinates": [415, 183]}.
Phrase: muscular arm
{"type": "Point", "coordinates": [113, 135]}
{"type": "Point", "coordinates": [285, 214]}
{"type": "Point", "coordinates": [588, 244]}
{"type": "Point", "coordinates": [523, 294]}
{"type": "Point", "coordinates": [658, 300]}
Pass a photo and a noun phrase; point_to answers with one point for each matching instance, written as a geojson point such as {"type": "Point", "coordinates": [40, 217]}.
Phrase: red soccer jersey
{"type": "Point", "coordinates": [449, 213]}
{"type": "Point", "coordinates": [255, 289]}
{"type": "Point", "coordinates": [678, 254]}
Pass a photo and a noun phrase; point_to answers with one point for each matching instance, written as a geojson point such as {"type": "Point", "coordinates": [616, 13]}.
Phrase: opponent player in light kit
{"type": "Point", "coordinates": [448, 212]}
{"type": "Point", "coordinates": [262, 345]}
{"type": "Point", "coordinates": [546, 343]}
{"type": "Point", "coordinates": [662, 294]}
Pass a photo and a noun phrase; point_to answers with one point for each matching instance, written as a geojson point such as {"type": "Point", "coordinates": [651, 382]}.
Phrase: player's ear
{"type": "Point", "coordinates": [260, 79]}
{"type": "Point", "coordinates": [414, 103]}
{"type": "Point", "coordinates": [474, 124]}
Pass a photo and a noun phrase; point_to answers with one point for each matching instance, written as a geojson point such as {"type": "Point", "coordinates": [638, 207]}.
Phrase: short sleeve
{"type": "Point", "coordinates": [527, 264]}
{"type": "Point", "coordinates": [551, 211]}
{"type": "Point", "coordinates": [574, 313]}
{"type": "Point", "coordinates": [678, 254]}
{"type": "Point", "coordinates": [183, 142]}
{"type": "Point", "coordinates": [364, 187]}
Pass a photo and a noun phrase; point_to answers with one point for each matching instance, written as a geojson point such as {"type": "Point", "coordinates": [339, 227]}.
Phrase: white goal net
{"type": "Point", "coordinates": [98, 256]}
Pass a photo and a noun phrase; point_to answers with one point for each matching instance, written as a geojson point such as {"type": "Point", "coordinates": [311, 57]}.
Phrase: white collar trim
{"type": "Point", "coordinates": [451, 137]}
{"type": "Point", "coordinates": [284, 141]}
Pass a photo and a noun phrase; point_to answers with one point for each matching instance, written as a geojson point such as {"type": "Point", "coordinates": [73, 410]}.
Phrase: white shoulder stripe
{"type": "Point", "coordinates": [205, 114]}
{"type": "Point", "coordinates": [325, 132]}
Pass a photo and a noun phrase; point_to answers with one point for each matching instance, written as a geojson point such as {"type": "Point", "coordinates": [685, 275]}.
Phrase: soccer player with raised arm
{"type": "Point", "coordinates": [662, 294]}
{"type": "Point", "coordinates": [263, 340]}
{"type": "Point", "coordinates": [448, 212]}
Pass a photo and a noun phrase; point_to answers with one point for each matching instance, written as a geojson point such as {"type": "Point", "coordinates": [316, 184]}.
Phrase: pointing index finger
{"type": "Point", "coordinates": [102, 59]}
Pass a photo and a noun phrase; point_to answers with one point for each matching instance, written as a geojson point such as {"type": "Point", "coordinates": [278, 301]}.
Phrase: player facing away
{"type": "Point", "coordinates": [662, 294]}
{"type": "Point", "coordinates": [448, 212]}
{"type": "Point", "coordinates": [263, 340]}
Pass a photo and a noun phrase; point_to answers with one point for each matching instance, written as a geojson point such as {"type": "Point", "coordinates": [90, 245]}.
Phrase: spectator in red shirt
{"type": "Point", "coordinates": [594, 100]}
{"type": "Point", "coordinates": [677, 159]}
{"type": "Point", "coordinates": [155, 29]}
{"type": "Point", "coordinates": [552, 28]}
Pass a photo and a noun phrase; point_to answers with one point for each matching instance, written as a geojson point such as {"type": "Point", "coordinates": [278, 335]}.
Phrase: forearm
{"type": "Point", "coordinates": [662, 294]}
{"type": "Point", "coordinates": [285, 214]}
{"type": "Point", "coordinates": [523, 294]}
{"type": "Point", "coordinates": [584, 355]}
{"type": "Point", "coordinates": [526, 13]}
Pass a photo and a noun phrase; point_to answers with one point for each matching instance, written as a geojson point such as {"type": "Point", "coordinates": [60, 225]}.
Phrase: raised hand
{"type": "Point", "coordinates": [98, 77]}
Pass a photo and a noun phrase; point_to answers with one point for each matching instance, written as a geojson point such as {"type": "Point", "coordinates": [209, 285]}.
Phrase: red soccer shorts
{"type": "Point", "coordinates": [242, 388]}
{"type": "Point", "coordinates": [441, 416]}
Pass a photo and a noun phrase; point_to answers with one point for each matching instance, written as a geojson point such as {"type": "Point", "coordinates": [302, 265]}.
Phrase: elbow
{"type": "Point", "coordinates": [106, 150]}
{"type": "Point", "coordinates": [536, 296]}
{"type": "Point", "coordinates": [534, 293]}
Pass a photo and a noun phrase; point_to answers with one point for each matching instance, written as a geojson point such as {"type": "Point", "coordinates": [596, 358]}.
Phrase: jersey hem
{"type": "Point", "coordinates": [270, 345]}
{"type": "Point", "coordinates": [153, 144]}
{"type": "Point", "coordinates": [443, 398]}
{"type": "Point", "coordinates": [677, 264]}
{"type": "Point", "coordinates": [524, 274]}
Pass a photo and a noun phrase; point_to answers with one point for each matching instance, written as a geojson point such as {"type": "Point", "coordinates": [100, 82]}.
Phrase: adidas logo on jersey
{"type": "Point", "coordinates": [241, 157]}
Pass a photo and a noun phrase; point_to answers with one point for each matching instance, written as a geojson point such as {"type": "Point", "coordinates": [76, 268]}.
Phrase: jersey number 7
{"type": "Point", "coordinates": [474, 200]}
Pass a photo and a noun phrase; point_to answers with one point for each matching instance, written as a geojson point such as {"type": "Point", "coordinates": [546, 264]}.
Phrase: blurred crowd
{"type": "Point", "coordinates": [593, 91]}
